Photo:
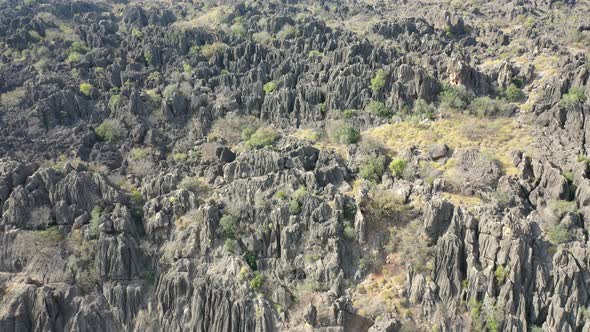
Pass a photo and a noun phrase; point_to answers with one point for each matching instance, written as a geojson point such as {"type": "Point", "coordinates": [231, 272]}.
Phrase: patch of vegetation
{"type": "Point", "coordinates": [238, 29]}
{"type": "Point", "coordinates": [558, 234]}
{"type": "Point", "coordinates": [229, 226]}
{"type": "Point", "coordinates": [110, 131]}
{"type": "Point", "coordinates": [250, 259]}
{"type": "Point", "coordinates": [573, 97]}
{"type": "Point", "coordinates": [269, 87]}
{"type": "Point", "coordinates": [386, 206]}
{"type": "Point", "coordinates": [86, 89]}
{"type": "Point", "coordinates": [213, 49]}
{"type": "Point", "coordinates": [453, 97]}
{"type": "Point", "coordinates": [230, 245]}
{"type": "Point", "coordinates": [191, 184]}
{"type": "Point", "coordinates": [514, 93]}
{"type": "Point", "coordinates": [560, 207]}
{"type": "Point", "coordinates": [297, 199]}
{"type": "Point", "coordinates": [348, 113]}
{"type": "Point", "coordinates": [423, 110]}
{"type": "Point", "coordinates": [114, 101]}
{"type": "Point", "coordinates": [486, 106]}
{"type": "Point", "coordinates": [314, 54]}
{"type": "Point", "coordinates": [500, 274]}
{"type": "Point", "coordinates": [380, 109]}
{"type": "Point", "coordinates": [234, 128]}
{"type": "Point", "coordinates": [344, 134]}
{"type": "Point", "coordinates": [138, 153]}
{"type": "Point", "coordinates": [262, 37]}
{"type": "Point", "coordinates": [372, 169]}
{"type": "Point", "coordinates": [397, 167]}
{"type": "Point", "coordinates": [378, 81]}
{"type": "Point", "coordinates": [93, 228]}
{"type": "Point", "coordinates": [257, 281]}
{"type": "Point", "coordinates": [74, 57]}
{"type": "Point", "coordinates": [287, 31]}
{"type": "Point", "coordinates": [262, 137]}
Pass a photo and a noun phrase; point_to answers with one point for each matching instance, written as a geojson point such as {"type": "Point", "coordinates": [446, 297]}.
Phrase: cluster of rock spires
{"type": "Point", "coordinates": [115, 233]}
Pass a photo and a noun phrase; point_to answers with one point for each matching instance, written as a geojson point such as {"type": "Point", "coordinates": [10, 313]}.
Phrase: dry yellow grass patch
{"type": "Point", "coordinates": [497, 136]}
{"type": "Point", "coordinates": [462, 200]}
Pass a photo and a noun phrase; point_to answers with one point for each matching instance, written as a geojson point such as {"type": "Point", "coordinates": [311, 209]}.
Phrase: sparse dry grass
{"type": "Point", "coordinates": [498, 136]}
{"type": "Point", "coordinates": [12, 98]}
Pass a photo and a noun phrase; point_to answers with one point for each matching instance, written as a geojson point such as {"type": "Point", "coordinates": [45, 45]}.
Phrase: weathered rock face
{"type": "Point", "coordinates": [294, 166]}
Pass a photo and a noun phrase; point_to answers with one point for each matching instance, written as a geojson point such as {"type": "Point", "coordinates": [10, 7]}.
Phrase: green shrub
{"type": "Point", "coordinates": [269, 87]}
{"type": "Point", "coordinates": [149, 276]}
{"type": "Point", "coordinates": [251, 260]}
{"type": "Point", "coordinates": [378, 82]}
{"type": "Point", "coordinates": [187, 68]}
{"type": "Point", "coordinates": [93, 228]}
{"type": "Point", "coordinates": [348, 113]}
{"type": "Point", "coordinates": [110, 131]}
{"type": "Point", "coordinates": [257, 282]}
{"type": "Point", "coordinates": [234, 128]}
{"type": "Point", "coordinates": [86, 89]}
{"type": "Point", "coordinates": [558, 234]}
{"type": "Point", "coordinates": [486, 106]}
{"type": "Point", "coordinates": [380, 109]}
{"type": "Point", "coordinates": [423, 109]}
{"type": "Point", "coordinates": [344, 134]}
{"type": "Point", "coordinates": [560, 207]}
{"type": "Point", "coordinates": [180, 157]}
{"type": "Point", "coordinates": [114, 102]}
{"type": "Point", "coordinates": [286, 32]}
{"type": "Point", "coordinates": [247, 133]}
{"type": "Point", "coordinates": [453, 97]}
{"type": "Point", "coordinates": [315, 53]}
{"type": "Point", "coordinates": [297, 200]}
{"type": "Point", "coordinates": [372, 169]}
{"type": "Point", "coordinates": [514, 93]}
{"type": "Point", "coordinates": [190, 184]}
{"type": "Point", "coordinates": [74, 57]}
{"type": "Point", "coordinates": [349, 232]}
{"type": "Point", "coordinates": [213, 49]}
{"type": "Point", "coordinates": [280, 195]}
{"type": "Point", "coordinates": [238, 29]}
{"type": "Point", "coordinates": [572, 98]}
{"type": "Point", "coordinates": [397, 167]}
{"type": "Point", "coordinates": [500, 274]}
{"type": "Point", "coordinates": [138, 153]}
{"type": "Point", "coordinates": [263, 137]}
{"type": "Point", "coordinates": [294, 207]}
{"type": "Point", "coordinates": [149, 58]}
{"type": "Point", "coordinates": [229, 226]}
{"type": "Point", "coordinates": [78, 47]}
{"type": "Point", "coordinates": [230, 245]}
{"type": "Point", "coordinates": [135, 32]}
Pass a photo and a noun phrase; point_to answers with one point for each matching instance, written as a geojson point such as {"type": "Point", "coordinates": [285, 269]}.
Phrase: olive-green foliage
{"type": "Point", "coordinates": [378, 81]}
{"type": "Point", "coordinates": [558, 234]}
{"type": "Point", "coordinates": [372, 168]}
{"type": "Point", "coordinates": [380, 109]}
{"type": "Point", "coordinates": [405, 239]}
{"type": "Point", "coordinates": [74, 57]}
{"type": "Point", "coordinates": [135, 32]}
{"type": "Point", "coordinates": [238, 29]}
{"type": "Point", "coordinates": [263, 137]}
{"type": "Point", "coordinates": [78, 47]}
{"type": "Point", "coordinates": [573, 97]}
{"type": "Point", "coordinates": [286, 32]}
{"type": "Point", "coordinates": [500, 274]}
{"type": "Point", "coordinates": [388, 207]}
{"type": "Point", "coordinates": [349, 232]}
{"type": "Point", "coordinates": [234, 128]}
{"type": "Point", "coordinates": [348, 113]}
{"type": "Point", "coordinates": [397, 167]}
{"type": "Point", "coordinates": [453, 98]}
{"type": "Point", "coordinates": [94, 221]}
{"type": "Point", "coordinates": [86, 89]}
{"type": "Point", "coordinates": [110, 131]}
{"type": "Point", "coordinates": [190, 184]}
{"type": "Point", "coordinates": [187, 68]}
{"type": "Point", "coordinates": [257, 281]}
{"type": "Point", "coordinates": [486, 106]}
{"type": "Point", "coordinates": [297, 199]}
{"type": "Point", "coordinates": [514, 93]}
{"type": "Point", "coordinates": [114, 101]}
{"type": "Point", "coordinates": [229, 226]}
{"type": "Point", "coordinates": [138, 153]}
{"type": "Point", "coordinates": [423, 110]}
{"type": "Point", "coordinates": [48, 236]}
{"type": "Point", "coordinates": [315, 53]}
{"type": "Point", "coordinates": [560, 207]}
{"type": "Point", "coordinates": [344, 134]}
{"type": "Point", "coordinates": [149, 58]}
{"type": "Point", "coordinates": [230, 245]}
{"type": "Point", "coordinates": [212, 49]}
{"type": "Point", "coordinates": [250, 258]}
{"type": "Point", "coordinates": [269, 87]}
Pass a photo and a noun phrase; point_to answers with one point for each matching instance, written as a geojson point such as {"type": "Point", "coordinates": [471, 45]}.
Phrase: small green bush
{"type": "Point", "coordinates": [344, 134]}
{"type": "Point", "coordinates": [114, 102]}
{"type": "Point", "coordinates": [190, 184]}
{"type": "Point", "coordinates": [250, 258]}
{"type": "Point", "coordinates": [149, 58]}
{"type": "Point", "coordinates": [286, 32]}
{"type": "Point", "coordinates": [297, 199]}
{"type": "Point", "coordinates": [86, 89]}
{"type": "Point", "coordinates": [514, 93]}
{"type": "Point", "coordinates": [230, 245]}
{"type": "Point", "coordinates": [110, 131]}
{"type": "Point", "coordinates": [454, 98]}
{"type": "Point", "coordinates": [93, 228]}
{"type": "Point", "coordinates": [213, 49]}
{"type": "Point", "coordinates": [372, 169]}
{"type": "Point", "coordinates": [560, 207]}
{"type": "Point", "coordinates": [229, 226]}
{"type": "Point", "coordinates": [238, 29]}
{"type": "Point", "coordinates": [397, 167]}
{"type": "Point", "coordinates": [572, 98]}
{"type": "Point", "coordinates": [558, 234]}
{"type": "Point", "coordinates": [378, 82]}
{"type": "Point", "coordinates": [257, 282]}
{"type": "Point", "coordinates": [380, 109]}
{"type": "Point", "coordinates": [500, 274]}
{"type": "Point", "coordinates": [486, 106]}
{"type": "Point", "coordinates": [315, 53]}
{"type": "Point", "coordinates": [74, 57]}
{"type": "Point", "coordinates": [269, 87]}
{"type": "Point", "coordinates": [349, 232]}
{"type": "Point", "coordinates": [348, 113]}
{"type": "Point", "coordinates": [423, 109]}
{"type": "Point", "coordinates": [263, 137]}
{"type": "Point", "coordinates": [294, 207]}
{"type": "Point", "coordinates": [78, 47]}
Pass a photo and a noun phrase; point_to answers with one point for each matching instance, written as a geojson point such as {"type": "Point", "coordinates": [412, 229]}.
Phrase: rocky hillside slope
{"type": "Point", "coordinates": [294, 165]}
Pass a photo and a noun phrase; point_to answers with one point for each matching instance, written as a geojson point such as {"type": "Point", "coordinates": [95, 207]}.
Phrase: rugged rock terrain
{"type": "Point", "coordinates": [294, 165]}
